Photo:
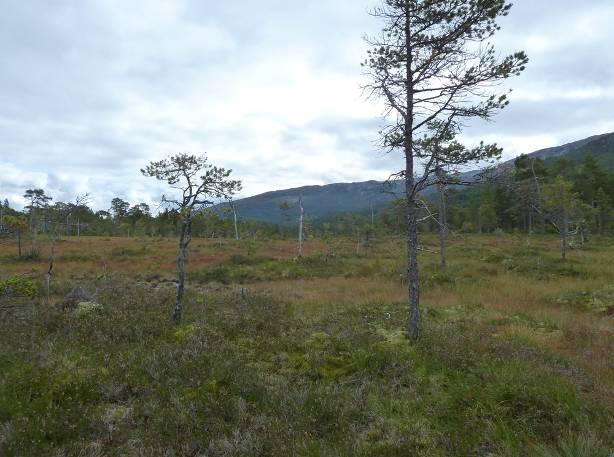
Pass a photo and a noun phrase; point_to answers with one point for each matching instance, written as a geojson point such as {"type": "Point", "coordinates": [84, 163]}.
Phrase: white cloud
{"type": "Point", "coordinates": [92, 91]}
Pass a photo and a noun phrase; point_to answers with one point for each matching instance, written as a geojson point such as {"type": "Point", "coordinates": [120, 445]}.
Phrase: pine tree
{"type": "Point", "coordinates": [433, 61]}
{"type": "Point", "coordinates": [197, 183]}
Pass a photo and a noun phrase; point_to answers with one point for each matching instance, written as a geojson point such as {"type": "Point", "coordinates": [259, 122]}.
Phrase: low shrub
{"type": "Point", "coordinates": [597, 301]}
{"type": "Point", "coordinates": [125, 252]}
{"type": "Point", "coordinates": [19, 287]}
{"type": "Point", "coordinates": [240, 269]}
{"type": "Point", "coordinates": [542, 268]}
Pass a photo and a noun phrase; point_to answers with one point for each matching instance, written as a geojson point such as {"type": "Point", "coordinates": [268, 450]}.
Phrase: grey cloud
{"type": "Point", "coordinates": [91, 91]}
{"type": "Point", "coordinates": [551, 116]}
{"type": "Point", "coordinates": [360, 138]}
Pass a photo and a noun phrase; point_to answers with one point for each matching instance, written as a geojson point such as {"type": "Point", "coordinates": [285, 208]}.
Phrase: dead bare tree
{"type": "Point", "coordinates": [54, 235]}
{"type": "Point", "coordinates": [564, 210]}
{"type": "Point", "coordinates": [49, 273]}
{"type": "Point", "coordinates": [233, 208]}
{"type": "Point", "coordinates": [433, 61]}
{"type": "Point", "coordinates": [450, 158]}
{"type": "Point", "coordinates": [56, 223]}
{"type": "Point", "coordinates": [197, 182]}
{"type": "Point", "coordinates": [525, 182]}
{"type": "Point", "coordinates": [81, 201]}
{"type": "Point", "coordinates": [556, 203]}
{"type": "Point", "coordinates": [301, 221]}
{"type": "Point", "coordinates": [442, 217]}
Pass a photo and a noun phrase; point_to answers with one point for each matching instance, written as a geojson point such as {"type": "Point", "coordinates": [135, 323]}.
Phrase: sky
{"type": "Point", "coordinates": [93, 90]}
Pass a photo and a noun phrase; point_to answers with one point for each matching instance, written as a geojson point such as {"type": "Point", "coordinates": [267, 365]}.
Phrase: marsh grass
{"type": "Point", "coordinates": [308, 357]}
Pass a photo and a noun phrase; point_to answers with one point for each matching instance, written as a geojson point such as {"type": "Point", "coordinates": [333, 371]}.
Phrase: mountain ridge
{"type": "Point", "coordinates": [321, 201]}
{"type": "Point", "coordinates": [572, 147]}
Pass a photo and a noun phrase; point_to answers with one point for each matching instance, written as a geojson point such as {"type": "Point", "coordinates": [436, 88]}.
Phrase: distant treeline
{"type": "Point", "coordinates": [519, 199]}
{"type": "Point", "coordinates": [536, 196]}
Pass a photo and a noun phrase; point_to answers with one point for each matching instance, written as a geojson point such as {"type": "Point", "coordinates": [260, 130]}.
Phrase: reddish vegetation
{"type": "Point", "coordinates": [96, 255]}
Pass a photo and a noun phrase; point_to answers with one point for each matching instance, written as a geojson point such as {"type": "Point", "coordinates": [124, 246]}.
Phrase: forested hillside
{"type": "Point", "coordinates": [601, 147]}
{"type": "Point", "coordinates": [324, 202]}
{"type": "Point", "coordinates": [319, 201]}
{"type": "Point", "coordinates": [535, 193]}
{"type": "Point", "coordinates": [506, 202]}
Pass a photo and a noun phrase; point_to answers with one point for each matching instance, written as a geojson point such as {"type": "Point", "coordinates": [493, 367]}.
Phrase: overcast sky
{"type": "Point", "coordinates": [92, 90]}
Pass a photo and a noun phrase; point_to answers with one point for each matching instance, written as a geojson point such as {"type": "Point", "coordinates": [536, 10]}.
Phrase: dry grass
{"type": "Point", "coordinates": [479, 275]}
{"type": "Point", "coordinates": [516, 350]}
{"type": "Point", "coordinates": [93, 256]}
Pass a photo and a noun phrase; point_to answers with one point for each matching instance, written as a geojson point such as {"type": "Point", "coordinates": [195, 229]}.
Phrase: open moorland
{"type": "Point", "coordinates": [279, 356]}
{"type": "Point", "coordinates": [273, 229]}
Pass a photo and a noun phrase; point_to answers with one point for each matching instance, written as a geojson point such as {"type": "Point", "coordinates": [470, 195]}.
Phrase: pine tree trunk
{"type": "Point", "coordinates": [443, 225]}
{"type": "Point", "coordinates": [413, 277]}
{"type": "Point", "coordinates": [48, 275]}
{"type": "Point", "coordinates": [183, 244]}
{"type": "Point", "coordinates": [234, 218]}
{"type": "Point", "coordinates": [300, 227]}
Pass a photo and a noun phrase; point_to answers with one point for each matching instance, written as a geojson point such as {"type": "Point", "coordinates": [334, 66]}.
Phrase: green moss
{"type": "Point", "coordinates": [543, 267]}
{"type": "Point", "coordinates": [534, 322]}
{"type": "Point", "coordinates": [18, 287]}
{"type": "Point", "coordinates": [597, 301]}
{"type": "Point", "coordinates": [249, 375]}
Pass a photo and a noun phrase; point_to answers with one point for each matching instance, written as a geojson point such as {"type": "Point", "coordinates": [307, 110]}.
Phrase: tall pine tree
{"type": "Point", "coordinates": [434, 61]}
